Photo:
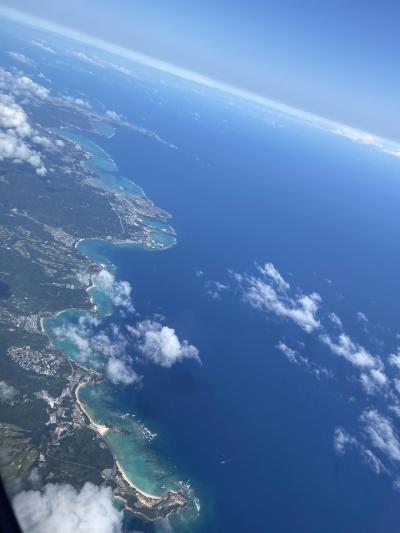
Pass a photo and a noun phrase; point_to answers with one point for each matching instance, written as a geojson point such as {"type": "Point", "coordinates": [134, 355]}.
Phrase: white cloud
{"type": "Point", "coordinates": [286, 350]}
{"type": "Point", "coordinates": [72, 101]}
{"type": "Point", "coordinates": [42, 141]}
{"type": "Point", "coordinates": [63, 509]}
{"type": "Point", "coordinates": [21, 58]}
{"type": "Point", "coordinates": [13, 117]}
{"type": "Point", "coordinates": [373, 381]}
{"type": "Point", "coordinates": [11, 147]}
{"type": "Point", "coordinates": [18, 84]}
{"type": "Point", "coordinates": [87, 59]}
{"type": "Point", "coordinates": [353, 352]}
{"type": "Point", "coordinates": [301, 309]}
{"type": "Point", "coordinates": [214, 288]}
{"type": "Point", "coordinates": [43, 46]}
{"type": "Point", "coordinates": [93, 345]}
{"type": "Point", "coordinates": [335, 320]}
{"type": "Point", "coordinates": [119, 292]}
{"type": "Point", "coordinates": [270, 271]}
{"type": "Point", "coordinates": [361, 317]}
{"type": "Point", "coordinates": [395, 408]}
{"type": "Point", "coordinates": [358, 136]}
{"type": "Point", "coordinates": [342, 440]}
{"type": "Point", "coordinates": [396, 383]}
{"type": "Point", "coordinates": [161, 345]}
{"type": "Point", "coordinates": [101, 63]}
{"type": "Point", "coordinates": [80, 335]}
{"type": "Point", "coordinates": [7, 392]}
{"type": "Point", "coordinates": [120, 371]}
{"type": "Point", "coordinates": [381, 433]}
{"type": "Point", "coordinates": [106, 349]}
{"type": "Point", "coordinates": [394, 360]}
{"type": "Point", "coordinates": [15, 131]}
{"type": "Point", "coordinates": [372, 461]}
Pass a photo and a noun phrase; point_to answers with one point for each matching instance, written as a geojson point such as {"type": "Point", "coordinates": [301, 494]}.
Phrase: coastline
{"type": "Point", "coordinates": [130, 483]}
{"type": "Point", "coordinates": [147, 500]}
{"type": "Point", "coordinates": [102, 430]}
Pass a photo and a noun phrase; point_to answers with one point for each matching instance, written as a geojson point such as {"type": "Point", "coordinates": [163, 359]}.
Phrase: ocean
{"type": "Point", "coordinates": [251, 432]}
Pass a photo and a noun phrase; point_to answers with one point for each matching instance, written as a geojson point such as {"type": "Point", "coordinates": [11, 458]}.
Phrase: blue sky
{"type": "Point", "coordinates": [337, 59]}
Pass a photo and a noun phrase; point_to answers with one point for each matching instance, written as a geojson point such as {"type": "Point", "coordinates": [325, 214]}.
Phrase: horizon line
{"type": "Point", "coordinates": [386, 145]}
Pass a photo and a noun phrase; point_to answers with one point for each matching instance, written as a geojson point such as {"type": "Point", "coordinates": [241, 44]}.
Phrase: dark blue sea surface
{"type": "Point", "coordinates": [252, 432]}
{"type": "Point", "coordinates": [5, 290]}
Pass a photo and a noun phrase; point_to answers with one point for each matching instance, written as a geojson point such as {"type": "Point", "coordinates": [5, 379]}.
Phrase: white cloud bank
{"type": "Point", "coordinates": [16, 131]}
{"type": "Point", "coordinates": [62, 509]}
{"type": "Point", "coordinates": [20, 85]}
{"type": "Point", "coordinates": [381, 144]}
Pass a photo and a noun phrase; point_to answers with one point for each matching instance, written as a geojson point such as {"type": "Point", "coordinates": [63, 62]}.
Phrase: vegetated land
{"type": "Point", "coordinates": [41, 273]}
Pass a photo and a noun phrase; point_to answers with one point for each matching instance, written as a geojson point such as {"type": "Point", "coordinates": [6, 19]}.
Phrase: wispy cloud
{"type": "Point", "coordinates": [120, 371]}
{"type": "Point", "coordinates": [356, 354]}
{"type": "Point", "coordinates": [298, 359]}
{"type": "Point", "coordinates": [271, 272]}
{"type": "Point", "coordinates": [43, 46]}
{"type": "Point", "coordinates": [335, 320]}
{"type": "Point", "coordinates": [342, 440]}
{"type": "Point", "coordinates": [7, 392]}
{"type": "Point", "coordinates": [271, 295]}
{"type": "Point", "coordinates": [21, 58]}
{"type": "Point", "coordinates": [374, 381]}
{"type": "Point", "coordinates": [287, 351]}
{"type": "Point", "coordinates": [119, 292]}
{"type": "Point", "coordinates": [381, 433]}
{"type": "Point", "coordinates": [215, 288]}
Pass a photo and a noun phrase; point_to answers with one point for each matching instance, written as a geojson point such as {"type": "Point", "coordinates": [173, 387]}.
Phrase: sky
{"type": "Point", "coordinates": [336, 59]}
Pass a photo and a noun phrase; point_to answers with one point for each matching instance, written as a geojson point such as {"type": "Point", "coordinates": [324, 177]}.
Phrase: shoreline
{"type": "Point", "coordinates": [100, 262]}
{"type": "Point", "coordinates": [102, 430]}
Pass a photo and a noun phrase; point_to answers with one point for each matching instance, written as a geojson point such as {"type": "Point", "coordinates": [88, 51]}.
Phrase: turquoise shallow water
{"type": "Point", "coordinates": [102, 164]}
{"type": "Point", "coordinates": [130, 441]}
{"type": "Point", "coordinates": [109, 178]}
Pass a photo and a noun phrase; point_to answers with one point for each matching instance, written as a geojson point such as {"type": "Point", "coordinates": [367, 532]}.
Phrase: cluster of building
{"type": "Point", "coordinates": [44, 362]}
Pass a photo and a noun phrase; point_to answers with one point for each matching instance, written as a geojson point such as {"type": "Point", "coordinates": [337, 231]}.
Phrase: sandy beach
{"type": "Point", "coordinates": [103, 430]}
{"type": "Point", "coordinates": [145, 494]}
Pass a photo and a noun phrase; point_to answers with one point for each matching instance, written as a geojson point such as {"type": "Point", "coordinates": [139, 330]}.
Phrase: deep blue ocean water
{"type": "Point", "coordinates": [316, 206]}
{"type": "Point", "coordinates": [252, 432]}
